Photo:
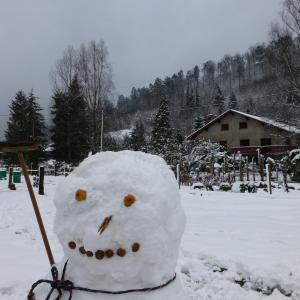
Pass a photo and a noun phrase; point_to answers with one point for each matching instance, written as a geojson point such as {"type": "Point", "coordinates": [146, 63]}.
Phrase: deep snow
{"type": "Point", "coordinates": [229, 237]}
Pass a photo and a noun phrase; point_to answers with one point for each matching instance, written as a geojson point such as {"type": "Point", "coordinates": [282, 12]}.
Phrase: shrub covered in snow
{"type": "Point", "coordinates": [243, 187]}
{"type": "Point", "coordinates": [225, 187]}
{"type": "Point", "coordinates": [205, 157]}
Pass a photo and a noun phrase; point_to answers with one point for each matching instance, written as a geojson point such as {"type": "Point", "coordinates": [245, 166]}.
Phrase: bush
{"type": "Point", "coordinates": [209, 187]}
{"type": "Point", "coordinates": [198, 185]}
{"type": "Point", "coordinates": [225, 187]}
{"type": "Point", "coordinates": [248, 187]}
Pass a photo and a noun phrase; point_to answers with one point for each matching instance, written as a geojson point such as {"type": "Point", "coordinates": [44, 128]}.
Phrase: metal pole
{"type": "Point", "coordinates": [101, 132]}
{"type": "Point", "coordinates": [36, 208]}
{"type": "Point", "coordinates": [178, 174]}
{"type": "Point", "coordinates": [268, 170]}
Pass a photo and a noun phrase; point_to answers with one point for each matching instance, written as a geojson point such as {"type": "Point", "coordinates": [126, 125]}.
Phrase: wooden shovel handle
{"type": "Point", "coordinates": [36, 208]}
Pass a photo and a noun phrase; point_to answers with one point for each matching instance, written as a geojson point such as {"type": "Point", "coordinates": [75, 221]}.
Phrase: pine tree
{"type": "Point", "coordinates": [163, 141]}
{"type": "Point", "coordinates": [137, 138]}
{"type": "Point", "coordinates": [36, 117]}
{"type": "Point", "coordinates": [38, 127]}
{"type": "Point", "coordinates": [19, 125]}
{"type": "Point", "coordinates": [219, 100]}
{"type": "Point", "coordinates": [26, 123]}
{"type": "Point", "coordinates": [232, 101]}
{"type": "Point", "coordinates": [70, 125]}
{"type": "Point", "coordinates": [59, 130]}
{"type": "Point", "coordinates": [198, 123]}
{"type": "Point", "coordinates": [161, 132]}
{"type": "Point", "coordinates": [79, 127]}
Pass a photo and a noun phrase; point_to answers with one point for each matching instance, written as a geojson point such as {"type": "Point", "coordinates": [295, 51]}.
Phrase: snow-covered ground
{"type": "Point", "coordinates": [231, 239]}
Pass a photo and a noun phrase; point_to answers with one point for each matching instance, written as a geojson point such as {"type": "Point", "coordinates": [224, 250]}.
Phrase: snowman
{"type": "Point", "coordinates": [119, 220]}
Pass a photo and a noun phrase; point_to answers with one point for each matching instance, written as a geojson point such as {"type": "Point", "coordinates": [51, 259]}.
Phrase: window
{"type": "Point", "coordinates": [224, 127]}
{"type": "Point", "coordinates": [244, 143]}
{"type": "Point", "coordinates": [243, 125]}
{"type": "Point", "coordinates": [266, 142]}
{"type": "Point", "coordinates": [288, 141]}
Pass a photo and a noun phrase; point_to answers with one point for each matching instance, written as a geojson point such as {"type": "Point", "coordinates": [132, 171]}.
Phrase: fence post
{"type": "Point", "coordinates": [261, 168]}
{"type": "Point", "coordinates": [247, 168]}
{"type": "Point", "coordinates": [234, 166]}
{"type": "Point", "coordinates": [284, 174]}
{"type": "Point", "coordinates": [11, 186]}
{"type": "Point", "coordinates": [268, 171]}
{"type": "Point", "coordinates": [241, 169]}
{"type": "Point", "coordinates": [41, 180]}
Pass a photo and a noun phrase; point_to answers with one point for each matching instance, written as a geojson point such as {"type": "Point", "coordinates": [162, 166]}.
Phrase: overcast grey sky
{"type": "Point", "coordinates": [145, 38]}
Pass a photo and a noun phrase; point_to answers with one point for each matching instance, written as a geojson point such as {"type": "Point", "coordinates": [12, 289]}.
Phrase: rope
{"type": "Point", "coordinates": [62, 285]}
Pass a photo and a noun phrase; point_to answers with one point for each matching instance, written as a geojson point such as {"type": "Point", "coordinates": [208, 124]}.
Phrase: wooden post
{"type": "Point", "coordinates": [261, 168]}
{"type": "Point", "coordinates": [10, 175]}
{"type": "Point", "coordinates": [241, 169]}
{"type": "Point", "coordinates": [268, 171]}
{"type": "Point", "coordinates": [41, 181]}
{"type": "Point", "coordinates": [258, 155]}
{"type": "Point", "coordinates": [284, 174]}
{"type": "Point", "coordinates": [234, 166]}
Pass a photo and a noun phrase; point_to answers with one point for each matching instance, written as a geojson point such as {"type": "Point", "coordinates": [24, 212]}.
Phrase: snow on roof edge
{"type": "Point", "coordinates": [271, 122]}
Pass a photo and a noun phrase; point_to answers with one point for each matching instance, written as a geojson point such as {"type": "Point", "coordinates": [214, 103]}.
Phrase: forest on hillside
{"type": "Point", "coordinates": [263, 81]}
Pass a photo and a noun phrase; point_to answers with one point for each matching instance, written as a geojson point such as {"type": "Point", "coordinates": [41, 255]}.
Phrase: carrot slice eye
{"type": "Point", "coordinates": [129, 200]}
{"type": "Point", "coordinates": [80, 195]}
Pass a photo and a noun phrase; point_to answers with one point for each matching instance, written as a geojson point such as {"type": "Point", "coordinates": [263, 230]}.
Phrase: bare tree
{"type": "Point", "coordinates": [91, 65]}
{"type": "Point", "coordinates": [283, 55]}
{"type": "Point", "coordinates": [291, 15]}
{"type": "Point", "coordinates": [64, 70]}
{"type": "Point", "coordinates": [239, 64]}
{"type": "Point", "coordinates": [95, 75]}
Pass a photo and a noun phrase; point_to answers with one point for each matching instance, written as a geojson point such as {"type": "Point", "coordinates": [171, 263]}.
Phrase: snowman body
{"type": "Point", "coordinates": [120, 221]}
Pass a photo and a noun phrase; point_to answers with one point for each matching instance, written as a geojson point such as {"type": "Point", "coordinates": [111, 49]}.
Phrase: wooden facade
{"type": "Point", "coordinates": [245, 133]}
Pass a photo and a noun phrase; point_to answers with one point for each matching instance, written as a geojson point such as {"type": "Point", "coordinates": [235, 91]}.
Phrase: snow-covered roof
{"type": "Point", "coordinates": [270, 122]}
{"type": "Point", "coordinates": [264, 120]}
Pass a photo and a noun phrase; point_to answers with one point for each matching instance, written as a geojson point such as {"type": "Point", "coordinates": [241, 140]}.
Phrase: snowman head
{"type": "Point", "coordinates": [119, 218]}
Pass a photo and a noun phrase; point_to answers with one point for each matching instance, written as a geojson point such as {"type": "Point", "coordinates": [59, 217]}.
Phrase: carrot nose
{"type": "Point", "coordinates": [104, 224]}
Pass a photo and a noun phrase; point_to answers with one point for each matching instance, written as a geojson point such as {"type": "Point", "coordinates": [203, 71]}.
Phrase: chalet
{"type": "Point", "coordinates": [245, 133]}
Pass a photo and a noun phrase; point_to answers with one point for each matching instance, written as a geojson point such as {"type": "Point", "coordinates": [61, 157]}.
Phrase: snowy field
{"type": "Point", "coordinates": [236, 246]}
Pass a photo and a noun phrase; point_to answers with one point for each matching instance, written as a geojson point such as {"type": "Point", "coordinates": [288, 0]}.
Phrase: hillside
{"type": "Point", "coordinates": [259, 80]}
